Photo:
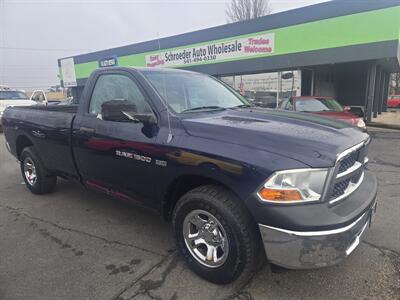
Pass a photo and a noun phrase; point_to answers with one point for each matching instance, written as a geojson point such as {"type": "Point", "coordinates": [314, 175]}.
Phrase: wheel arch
{"type": "Point", "coordinates": [21, 143]}
{"type": "Point", "coordinates": [183, 184]}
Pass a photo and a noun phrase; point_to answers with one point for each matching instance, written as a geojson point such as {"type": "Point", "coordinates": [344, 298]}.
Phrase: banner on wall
{"type": "Point", "coordinates": [68, 72]}
{"type": "Point", "coordinates": [211, 52]}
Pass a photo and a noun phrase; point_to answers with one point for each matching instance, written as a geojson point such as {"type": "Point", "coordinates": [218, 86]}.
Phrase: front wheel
{"type": "Point", "coordinates": [216, 235]}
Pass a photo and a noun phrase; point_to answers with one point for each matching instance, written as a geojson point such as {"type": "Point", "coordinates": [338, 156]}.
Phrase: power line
{"type": "Point", "coordinates": [41, 49]}
{"type": "Point", "coordinates": [118, 2]}
{"type": "Point", "coordinates": [27, 67]}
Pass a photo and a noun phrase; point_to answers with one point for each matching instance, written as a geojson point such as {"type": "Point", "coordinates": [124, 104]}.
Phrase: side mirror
{"type": "Point", "coordinates": [124, 111]}
{"type": "Point", "coordinates": [149, 119]}
{"type": "Point", "coordinates": [112, 110]}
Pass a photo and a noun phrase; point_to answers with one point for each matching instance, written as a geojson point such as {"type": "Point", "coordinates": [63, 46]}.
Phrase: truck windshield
{"type": "Point", "coordinates": [317, 104]}
{"type": "Point", "coordinates": [191, 92]}
{"type": "Point", "coordinates": [14, 95]}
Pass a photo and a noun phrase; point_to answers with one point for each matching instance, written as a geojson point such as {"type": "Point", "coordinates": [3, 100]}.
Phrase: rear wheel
{"type": "Point", "coordinates": [216, 235]}
{"type": "Point", "coordinates": [36, 177]}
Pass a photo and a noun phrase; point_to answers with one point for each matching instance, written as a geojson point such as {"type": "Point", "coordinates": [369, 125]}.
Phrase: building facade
{"type": "Point", "coordinates": [344, 49]}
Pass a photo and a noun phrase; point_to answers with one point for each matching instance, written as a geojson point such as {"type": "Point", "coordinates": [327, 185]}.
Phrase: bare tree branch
{"type": "Point", "coordinates": [395, 84]}
{"type": "Point", "coordinates": [241, 10]}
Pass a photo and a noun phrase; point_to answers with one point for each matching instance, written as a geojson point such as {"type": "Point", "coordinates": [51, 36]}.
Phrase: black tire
{"type": "Point", "coordinates": [245, 252]}
{"type": "Point", "coordinates": [45, 182]}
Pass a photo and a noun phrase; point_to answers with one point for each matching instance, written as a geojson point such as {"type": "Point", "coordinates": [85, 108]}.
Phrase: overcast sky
{"type": "Point", "coordinates": [34, 33]}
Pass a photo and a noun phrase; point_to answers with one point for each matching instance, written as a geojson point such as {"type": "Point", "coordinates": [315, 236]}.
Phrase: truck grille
{"type": "Point", "coordinates": [349, 172]}
{"type": "Point", "coordinates": [348, 161]}
{"type": "Point", "coordinates": [339, 188]}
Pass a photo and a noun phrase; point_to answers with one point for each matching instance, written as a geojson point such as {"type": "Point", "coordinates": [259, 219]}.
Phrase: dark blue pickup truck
{"type": "Point", "coordinates": [239, 183]}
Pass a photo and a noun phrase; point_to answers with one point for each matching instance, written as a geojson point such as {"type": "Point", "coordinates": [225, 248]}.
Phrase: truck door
{"type": "Point", "coordinates": [116, 151]}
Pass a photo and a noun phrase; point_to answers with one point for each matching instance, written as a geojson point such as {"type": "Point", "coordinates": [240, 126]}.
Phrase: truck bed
{"type": "Point", "coordinates": [72, 109]}
{"type": "Point", "coordinates": [49, 130]}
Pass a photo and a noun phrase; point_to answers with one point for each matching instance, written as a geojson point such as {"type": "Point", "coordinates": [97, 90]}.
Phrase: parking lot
{"type": "Point", "coordinates": [78, 244]}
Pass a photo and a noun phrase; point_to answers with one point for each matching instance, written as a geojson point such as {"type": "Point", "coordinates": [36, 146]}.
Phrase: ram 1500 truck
{"type": "Point", "coordinates": [239, 183]}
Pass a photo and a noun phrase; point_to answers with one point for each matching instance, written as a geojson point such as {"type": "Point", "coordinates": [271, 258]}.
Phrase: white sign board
{"type": "Point", "coordinates": [211, 52]}
{"type": "Point", "coordinates": [68, 72]}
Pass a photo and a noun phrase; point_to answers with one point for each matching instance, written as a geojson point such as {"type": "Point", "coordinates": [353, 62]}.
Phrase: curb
{"type": "Point", "coordinates": [384, 125]}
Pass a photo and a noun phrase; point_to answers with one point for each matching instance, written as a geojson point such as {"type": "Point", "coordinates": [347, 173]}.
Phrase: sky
{"type": "Point", "coordinates": [35, 33]}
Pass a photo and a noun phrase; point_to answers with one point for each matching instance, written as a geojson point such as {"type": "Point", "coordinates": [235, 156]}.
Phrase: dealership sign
{"type": "Point", "coordinates": [108, 62]}
{"type": "Point", "coordinates": [211, 52]}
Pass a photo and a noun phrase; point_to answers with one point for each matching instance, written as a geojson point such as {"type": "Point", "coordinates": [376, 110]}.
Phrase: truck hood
{"type": "Point", "coordinates": [4, 103]}
{"type": "Point", "coordinates": [310, 139]}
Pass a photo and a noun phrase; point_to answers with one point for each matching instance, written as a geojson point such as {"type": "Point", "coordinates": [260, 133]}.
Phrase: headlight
{"type": "Point", "coordinates": [290, 186]}
{"type": "Point", "coordinates": [361, 123]}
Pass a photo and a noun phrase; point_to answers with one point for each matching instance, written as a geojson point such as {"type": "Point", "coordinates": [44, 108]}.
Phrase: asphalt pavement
{"type": "Point", "coordinates": [79, 244]}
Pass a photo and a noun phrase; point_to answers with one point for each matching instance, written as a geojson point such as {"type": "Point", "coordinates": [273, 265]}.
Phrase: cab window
{"type": "Point", "coordinates": [119, 91]}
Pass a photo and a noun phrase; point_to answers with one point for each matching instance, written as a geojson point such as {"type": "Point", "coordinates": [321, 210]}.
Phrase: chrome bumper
{"type": "Point", "coordinates": [313, 249]}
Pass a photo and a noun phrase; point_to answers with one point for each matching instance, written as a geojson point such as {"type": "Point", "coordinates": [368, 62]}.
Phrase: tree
{"type": "Point", "coordinates": [395, 84]}
{"type": "Point", "coordinates": [241, 10]}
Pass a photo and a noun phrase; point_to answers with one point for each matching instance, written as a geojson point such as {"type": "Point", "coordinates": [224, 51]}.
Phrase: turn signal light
{"type": "Point", "coordinates": [280, 195]}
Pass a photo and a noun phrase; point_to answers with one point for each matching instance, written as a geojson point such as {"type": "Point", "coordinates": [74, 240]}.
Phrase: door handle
{"type": "Point", "coordinates": [87, 130]}
{"type": "Point", "coordinates": [38, 134]}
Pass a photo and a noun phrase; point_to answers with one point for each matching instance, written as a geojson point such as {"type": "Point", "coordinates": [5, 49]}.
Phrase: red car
{"type": "Point", "coordinates": [324, 106]}
{"type": "Point", "coordinates": [393, 101]}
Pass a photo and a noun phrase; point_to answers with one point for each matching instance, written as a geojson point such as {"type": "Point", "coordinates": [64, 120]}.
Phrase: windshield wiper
{"type": "Point", "coordinates": [243, 106]}
{"type": "Point", "coordinates": [212, 107]}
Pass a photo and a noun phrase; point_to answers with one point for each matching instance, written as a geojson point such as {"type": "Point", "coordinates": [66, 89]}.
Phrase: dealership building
{"type": "Point", "coordinates": [344, 49]}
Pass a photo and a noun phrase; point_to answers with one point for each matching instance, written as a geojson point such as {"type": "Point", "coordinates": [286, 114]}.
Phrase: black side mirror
{"type": "Point", "coordinates": [113, 110]}
{"type": "Point", "coordinates": [146, 118]}
{"type": "Point", "coordinates": [124, 111]}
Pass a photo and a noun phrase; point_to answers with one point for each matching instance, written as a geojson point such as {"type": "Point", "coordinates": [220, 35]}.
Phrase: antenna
{"type": "Point", "coordinates": [170, 136]}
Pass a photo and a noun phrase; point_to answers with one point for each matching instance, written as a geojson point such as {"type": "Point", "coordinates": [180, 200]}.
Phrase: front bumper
{"type": "Point", "coordinates": [302, 246]}
{"type": "Point", "coordinates": [313, 249]}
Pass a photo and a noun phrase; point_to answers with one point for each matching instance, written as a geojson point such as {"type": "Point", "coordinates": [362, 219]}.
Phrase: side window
{"type": "Point", "coordinates": [41, 97]}
{"type": "Point", "coordinates": [116, 87]}
{"type": "Point", "coordinates": [38, 96]}
{"type": "Point", "coordinates": [35, 96]}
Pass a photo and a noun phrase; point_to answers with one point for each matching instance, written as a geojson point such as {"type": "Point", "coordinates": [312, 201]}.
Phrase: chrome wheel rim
{"type": "Point", "coordinates": [205, 238]}
{"type": "Point", "coordinates": [30, 171]}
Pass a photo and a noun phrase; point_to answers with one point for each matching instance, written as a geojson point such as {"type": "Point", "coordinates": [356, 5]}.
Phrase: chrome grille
{"type": "Point", "coordinates": [348, 161]}
{"type": "Point", "coordinates": [339, 188]}
{"type": "Point", "coordinates": [349, 172]}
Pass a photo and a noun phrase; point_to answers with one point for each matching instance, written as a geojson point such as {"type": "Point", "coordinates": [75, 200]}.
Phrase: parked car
{"type": "Point", "coordinates": [239, 183]}
{"type": "Point", "coordinates": [264, 99]}
{"type": "Point", "coordinates": [40, 97]}
{"type": "Point", "coordinates": [393, 101]}
{"type": "Point", "coordinates": [323, 106]}
{"type": "Point", "coordinates": [11, 97]}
